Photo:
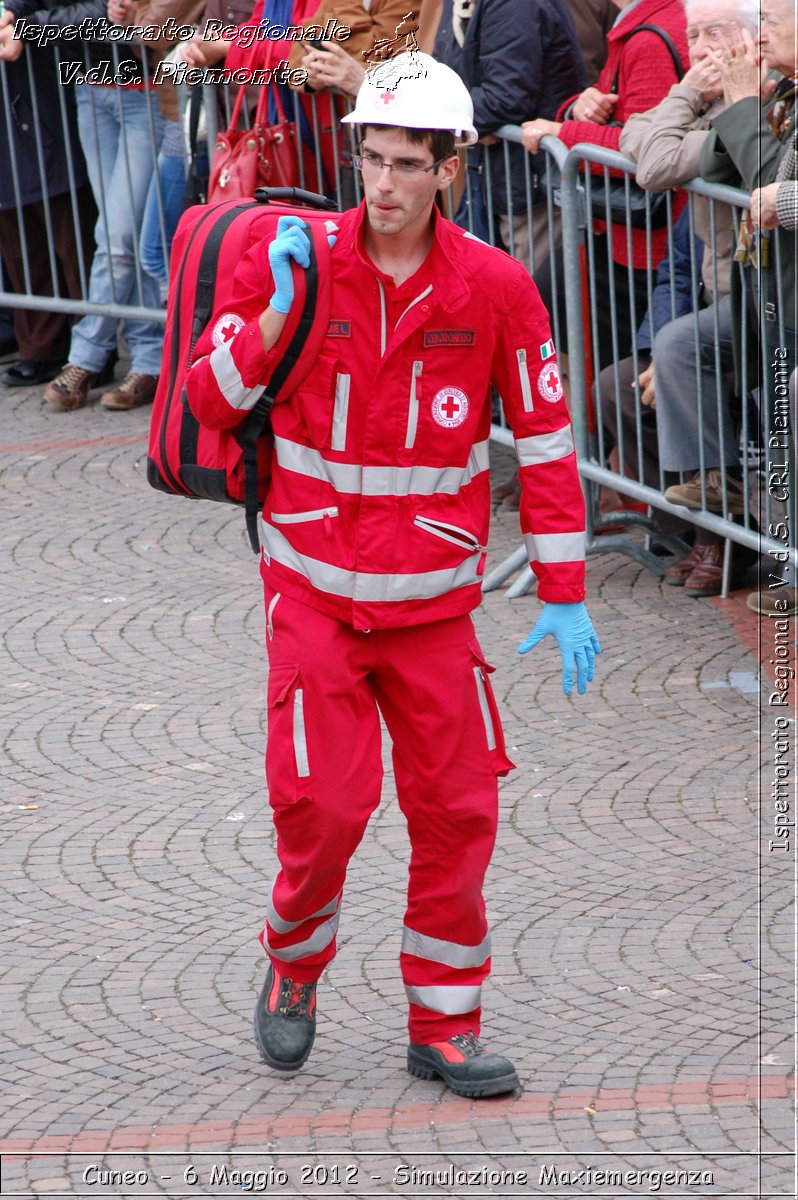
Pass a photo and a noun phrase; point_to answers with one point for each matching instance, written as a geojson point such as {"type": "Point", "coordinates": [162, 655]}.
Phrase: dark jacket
{"type": "Point", "coordinates": [92, 50]}
{"type": "Point", "coordinates": [520, 59]}
{"type": "Point", "coordinates": [23, 136]}
{"type": "Point", "coordinates": [676, 283]}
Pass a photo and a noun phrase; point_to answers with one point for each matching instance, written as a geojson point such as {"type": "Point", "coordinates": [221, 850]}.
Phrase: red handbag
{"type": "Point", "coordinates": [263, 156]}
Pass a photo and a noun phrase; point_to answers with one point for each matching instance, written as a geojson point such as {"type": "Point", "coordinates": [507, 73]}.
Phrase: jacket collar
{"type": "Point", "coordinates": [446, 265]}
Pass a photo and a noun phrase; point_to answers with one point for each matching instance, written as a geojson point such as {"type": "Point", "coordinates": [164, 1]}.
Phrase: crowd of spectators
{"type": "Point", "coordinates": [92, 186]}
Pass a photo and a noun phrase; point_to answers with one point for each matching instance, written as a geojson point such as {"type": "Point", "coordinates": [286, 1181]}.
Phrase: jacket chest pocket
{"type": "Point", "coordinates": [318, 405]}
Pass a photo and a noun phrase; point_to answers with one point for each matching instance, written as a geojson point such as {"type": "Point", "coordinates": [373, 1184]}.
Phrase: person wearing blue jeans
{"type": "Point", "coordinates": [171, 172]}
{"type": "Point", "coordinates": [120, 132]}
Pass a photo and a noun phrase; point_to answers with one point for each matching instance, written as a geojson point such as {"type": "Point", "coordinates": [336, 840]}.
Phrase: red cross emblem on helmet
{"type": "Point", "coordinates": [387, 97]}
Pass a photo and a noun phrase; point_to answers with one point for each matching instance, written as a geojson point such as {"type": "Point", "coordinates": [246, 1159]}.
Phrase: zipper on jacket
{"type": "Point", "coordinates": [449, 533]}
{"type": "Point", "coordinates": [314, 514]}
{"type": "Point", "coordinates": [526, 387]}
{"type": "Point", "coordinates": [270, 615]}
{"type": "Point", "coordinates": [300, 736]}
{"type": "Point", "coordinates": [383, 320]}
{"type": "Point", "coordinates": [482, 696]}
{"type": "Point", "coordinates": [340, 412]}
{"type": "Point", "coordinates": [412, 412]}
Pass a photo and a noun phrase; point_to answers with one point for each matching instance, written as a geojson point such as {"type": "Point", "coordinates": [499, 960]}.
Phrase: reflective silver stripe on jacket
{"type": "Point", "coordinates": [320, 938]}
{"type": "Point", "coordinates": [544, 447]}
{"type": "Point", "coordinates": [448, 1000]}
{"type": "Point", "coordinates": [451, 953]}
{"type": "Point", "coordinates": [368, 588]}
{"type": "Point", "coordinates": [229, 382]}
{"type": "Point", "coordinates": [555, 547]}
{"type": "Point", "coordinates": [280, 926]}
{"type": "Point", "coordinates": [355, 480]}
{"type": "Point", "coordinates": [340, 412]}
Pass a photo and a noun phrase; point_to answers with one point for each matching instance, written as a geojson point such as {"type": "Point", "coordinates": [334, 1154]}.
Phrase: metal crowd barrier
{"type": "Point", "coordinates": [589, 304]}
{"type": "Point", "coordinates": [765, 423]}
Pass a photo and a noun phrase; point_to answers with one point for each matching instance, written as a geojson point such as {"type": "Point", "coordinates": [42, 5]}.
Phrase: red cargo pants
{"type": "Point", "coordinates": [327, 685]}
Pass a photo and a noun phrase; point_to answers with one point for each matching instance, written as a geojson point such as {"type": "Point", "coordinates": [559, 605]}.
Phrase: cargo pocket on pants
{"type": "Point", "coordinates": [287, 759]}
{"type": "Point", "coordinates": [494, 734]}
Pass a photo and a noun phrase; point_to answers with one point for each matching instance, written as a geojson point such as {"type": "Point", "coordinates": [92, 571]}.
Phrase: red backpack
{"type": "Point", "coordinates": [184, 458]}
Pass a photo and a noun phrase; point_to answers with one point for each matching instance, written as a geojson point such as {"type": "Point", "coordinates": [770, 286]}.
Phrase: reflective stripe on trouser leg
{"type": "Point", "coordinates": [324, 779]}
{"type": "Point", "coordinates": [446, 765]}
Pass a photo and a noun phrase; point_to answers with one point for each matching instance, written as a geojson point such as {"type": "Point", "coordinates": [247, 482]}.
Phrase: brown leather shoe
{"type": "Point", "coordinates": [707, 574]}
{"type": "Point", "coordinates": [706, 577]}
{"type": "Point", "coordinates": [69, 390]}
{"type": "Point", "coordinates": [134, 391]}
{"type": "Point", "coordinates": [677, 572]}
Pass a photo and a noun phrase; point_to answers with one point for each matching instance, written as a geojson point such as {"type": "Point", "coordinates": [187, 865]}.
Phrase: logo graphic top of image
{"type": "Point", "coordinates": [382, 70]}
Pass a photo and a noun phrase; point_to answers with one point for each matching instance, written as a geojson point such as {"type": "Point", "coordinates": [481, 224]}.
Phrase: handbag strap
{"type": "Point", "coordinates": [666, 38]}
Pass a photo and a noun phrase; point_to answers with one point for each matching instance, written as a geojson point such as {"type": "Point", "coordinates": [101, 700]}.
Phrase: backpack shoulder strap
{"type": "Point", "coordinates": [666, 38]}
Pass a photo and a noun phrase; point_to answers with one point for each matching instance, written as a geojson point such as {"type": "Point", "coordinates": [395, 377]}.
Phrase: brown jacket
{"type": "Point", "coordinates": [380, 21]}
{"type": "Point", "coordinates": [593, 20]}
{"type": "Point", "coordinates": [666, 144]}
{"type": "Point", "coordinates": [156, 12]}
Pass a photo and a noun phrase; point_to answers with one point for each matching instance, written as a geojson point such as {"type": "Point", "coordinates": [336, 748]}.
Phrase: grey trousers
{"type": "Point", "coordinates": [694, 390]}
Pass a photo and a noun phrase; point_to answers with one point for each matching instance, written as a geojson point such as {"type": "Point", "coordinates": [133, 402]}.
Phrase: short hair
{"type": "Point", "coordinates": [440, 142]}
{"type": "Point", "coordinates": [744, 12]}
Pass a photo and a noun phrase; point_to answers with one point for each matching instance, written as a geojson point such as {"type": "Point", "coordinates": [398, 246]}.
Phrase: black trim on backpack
{"type": "Point", "coordinates": [211, 483]}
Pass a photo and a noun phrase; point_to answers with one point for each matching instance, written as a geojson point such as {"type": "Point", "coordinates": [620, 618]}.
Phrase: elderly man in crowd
{"type": "Point", "coordinates": [666, 143]}
{"type": "Point", "coordinates": [753, 145]}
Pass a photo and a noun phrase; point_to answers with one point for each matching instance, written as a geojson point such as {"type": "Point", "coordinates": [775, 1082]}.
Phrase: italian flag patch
{"type": "Point", "coordinates": [547, 350]}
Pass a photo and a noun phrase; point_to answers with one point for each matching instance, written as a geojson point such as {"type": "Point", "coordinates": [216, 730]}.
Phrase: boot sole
{"type": "Point", "coordinates": [475, 1089]}
{"type": "Point", "coordinates": [278, 1064]}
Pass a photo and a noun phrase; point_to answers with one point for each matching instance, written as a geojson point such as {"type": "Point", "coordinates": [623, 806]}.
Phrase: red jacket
{"type": "Point", "coordinates": [379, 505]}
{"type": "Point", "coordinates": [645, 77]}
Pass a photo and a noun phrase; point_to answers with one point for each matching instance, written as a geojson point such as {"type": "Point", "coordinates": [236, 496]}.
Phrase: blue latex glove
{"type": "Point", "coordinates": [291, 243]}
{"type": "Point", "coordinates": [573, 630]}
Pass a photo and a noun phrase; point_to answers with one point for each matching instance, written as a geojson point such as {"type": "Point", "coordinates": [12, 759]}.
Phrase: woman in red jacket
{"type": "Point", "coordinates": [638, 73]}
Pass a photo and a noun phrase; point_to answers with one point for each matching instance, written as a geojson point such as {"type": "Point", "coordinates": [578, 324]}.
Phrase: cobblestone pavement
{"type": "Point", "coordinates": [643, 932]}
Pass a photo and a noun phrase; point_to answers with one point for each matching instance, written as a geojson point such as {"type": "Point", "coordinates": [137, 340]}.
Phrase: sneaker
{"type": "Point", "coordinates": [285, 1021]}
{"type": "Point", "coordinates": [134, 391]}
{"type": "Point", "coordinates": [462, 1064]}
{"type": "Point", "coordinates": [69, 390]}
{"type": "Point", "coordinates": [764, 602]}
{"type": "Point", "coordinates": [689, 493]}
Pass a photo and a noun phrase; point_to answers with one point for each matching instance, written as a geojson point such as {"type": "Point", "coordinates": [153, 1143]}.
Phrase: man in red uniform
{"type": "Point", "coordinates": [374, 532]}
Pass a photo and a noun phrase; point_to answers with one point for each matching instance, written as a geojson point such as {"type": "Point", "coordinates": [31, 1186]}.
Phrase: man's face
{"type": "Point", "coordinates": [777, 36]}
{"type": "Point", "coordinates": [400, 202]}
{"type": "Point", "coordinates": [711, 27]}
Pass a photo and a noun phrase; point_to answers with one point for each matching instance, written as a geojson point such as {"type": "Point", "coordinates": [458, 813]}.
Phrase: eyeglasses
{"type": "Point", "coordinates": [403, 168]}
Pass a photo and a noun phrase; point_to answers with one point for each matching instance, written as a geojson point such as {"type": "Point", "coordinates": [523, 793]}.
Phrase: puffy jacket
{"type": "Point", "coordinates": [519, 59]}
{"type": "Point", "coordinates": [379, 504]}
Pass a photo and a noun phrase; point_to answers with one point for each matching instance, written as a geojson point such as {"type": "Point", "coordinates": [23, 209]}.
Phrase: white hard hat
{"type": "Point", "coordinates": [414, 91]}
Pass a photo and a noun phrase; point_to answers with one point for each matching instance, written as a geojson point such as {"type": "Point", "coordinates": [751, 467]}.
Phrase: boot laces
{"type": "Point", "coordinates": [467, 1044]}
{"type": "Point", "coordinates": [295, 998]}
{"type": "Point", "coordinates": [129, 383]}
{"type": "Point", "coordinates": [72, 375]}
